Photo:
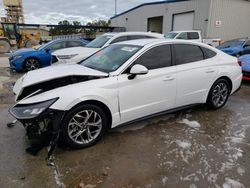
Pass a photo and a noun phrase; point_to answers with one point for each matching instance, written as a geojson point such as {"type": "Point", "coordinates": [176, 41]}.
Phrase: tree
{"type": "Point", "coordinates": [100, 23]}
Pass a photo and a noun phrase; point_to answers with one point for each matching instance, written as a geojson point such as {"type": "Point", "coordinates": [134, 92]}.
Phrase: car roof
{"type": "Point", "coordinates": [135, 33]}
{"type": "Point", "coordinates": [151, 42]}
{"type": "Point", "coordinates": [184, 31]}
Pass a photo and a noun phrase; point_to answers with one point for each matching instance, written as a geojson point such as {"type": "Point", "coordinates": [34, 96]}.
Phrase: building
{"type": "Point", "coordinates": [225, 19]}
{"type": "Point", "coordinates": [14, 11]}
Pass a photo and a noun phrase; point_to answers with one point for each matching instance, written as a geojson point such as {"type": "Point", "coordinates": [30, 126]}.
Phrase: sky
{"type": "Point", "coordinates": [53, 11]}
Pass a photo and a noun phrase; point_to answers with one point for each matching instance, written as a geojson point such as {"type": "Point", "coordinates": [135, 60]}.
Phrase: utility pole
{"type": "Point", "coordinates": [115, 7]}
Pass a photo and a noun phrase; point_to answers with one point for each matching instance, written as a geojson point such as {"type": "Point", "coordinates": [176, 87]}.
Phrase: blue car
{"type": "Point", "coordinates": [245, 64]}
{"type": "Point", "coordinates": [27, 59]}
{"type": "Point", "coordinates": [236, 47]}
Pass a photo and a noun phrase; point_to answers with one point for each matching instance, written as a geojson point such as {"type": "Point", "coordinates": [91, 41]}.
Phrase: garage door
{"type": "Point", "coordinates": [184, 21]}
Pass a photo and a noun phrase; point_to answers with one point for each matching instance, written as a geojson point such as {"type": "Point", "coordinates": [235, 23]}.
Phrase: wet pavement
{"type": "Point", "coordinates": [188, 149]}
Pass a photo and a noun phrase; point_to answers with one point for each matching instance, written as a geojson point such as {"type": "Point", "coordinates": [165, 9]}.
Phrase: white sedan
{"type": "Point", "coordinates": [122, 83]}
{"type": "Point", "coordinates": [76, 54]}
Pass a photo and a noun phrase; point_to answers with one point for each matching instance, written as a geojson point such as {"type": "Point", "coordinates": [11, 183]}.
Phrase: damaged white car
{"type": "Point", "coordinates": [122, 83]}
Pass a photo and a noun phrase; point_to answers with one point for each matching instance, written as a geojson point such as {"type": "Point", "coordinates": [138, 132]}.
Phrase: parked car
{"type": "Point", "coordinates": [27, 59]}
{"type": "Point", "coordinates": [236, 47]}
{"type": "Point", "coordinates": [192, 35]}
{"type": "Point", "coordinates": [122, 83]}
{"type": "Point", "coordinates": [77, 54]}
{"type": "Point", "coordinates": [245, 65]}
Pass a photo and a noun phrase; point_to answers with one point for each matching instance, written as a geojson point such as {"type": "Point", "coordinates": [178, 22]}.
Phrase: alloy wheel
{"type": "Point", "coordinates": [32, 64]}
{"type": "Point", "coordinates": [220, 94]}
{"type": "Point", "coordinates": [85, 126]}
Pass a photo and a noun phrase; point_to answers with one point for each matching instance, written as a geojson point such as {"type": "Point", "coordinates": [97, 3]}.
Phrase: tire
{"type": "Point", "coordinates": [218, 94]}
{"type": "Point", "coordinates": [4, 46]}
{"type": "Point", "coordinates": [75, 132]}
{"type": "Point", "coordinates": [31, 64]}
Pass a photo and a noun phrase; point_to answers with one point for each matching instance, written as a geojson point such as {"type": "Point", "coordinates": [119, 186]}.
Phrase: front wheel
{"type": "Point", "coordinates": [218, 94]}
{"type": "Point", "coordinates": [84, 126]}
{"type": "Point", "coordinates": [32, 64]}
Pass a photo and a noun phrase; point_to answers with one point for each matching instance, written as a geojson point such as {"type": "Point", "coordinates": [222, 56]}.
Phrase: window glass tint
{"type": "Point", "coordinates": [193, 35]}
{"type": "Point", "coordinates": [157, 57]}
{"type": "Point", "coordinates": [186, 53]}
{"type": "Point", "coordinates": [57, 46]}
{"type": "Point", "coordinates": [208, 53]}
{"type": "Point", "coordinates": [74, 44]}
{"type": "Point", "coordinates": [119, 39]}
{"type": "Point", "coordinates": [183, 36]}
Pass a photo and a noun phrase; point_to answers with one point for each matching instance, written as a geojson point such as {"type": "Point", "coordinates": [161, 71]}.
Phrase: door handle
{"type": "Point", "coordinates": [210, 71]}
{"type": "Point", "coordinates": [168, 78]}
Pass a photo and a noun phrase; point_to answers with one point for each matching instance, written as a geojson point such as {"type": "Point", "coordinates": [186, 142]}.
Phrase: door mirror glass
{"type": "Point", "coordinates": [138, 70]}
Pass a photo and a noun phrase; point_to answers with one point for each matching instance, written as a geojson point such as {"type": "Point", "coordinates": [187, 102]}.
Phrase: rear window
{"type": "Point", "coordinates": [193, 35]}
{"type": "Point", "coordinates": [208, 53]}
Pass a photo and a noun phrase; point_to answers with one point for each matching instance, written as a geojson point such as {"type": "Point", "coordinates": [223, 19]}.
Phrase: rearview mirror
{"type": "Point", "coordinates": [137, 70]}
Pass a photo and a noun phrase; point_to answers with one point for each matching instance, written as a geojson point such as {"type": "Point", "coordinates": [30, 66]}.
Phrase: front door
{"type": "Point", "coordinates": [151, 93]}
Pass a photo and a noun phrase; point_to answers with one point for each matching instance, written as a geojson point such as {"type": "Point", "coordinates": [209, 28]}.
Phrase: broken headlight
{"type": "Point", "coordinates": [29, 111]}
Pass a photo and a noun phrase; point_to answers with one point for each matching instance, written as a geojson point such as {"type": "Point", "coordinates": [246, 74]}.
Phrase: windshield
{"type": "Point", "coordinates": [99, 41]}
{"type": "Point", "coordinates": [232, 43]}
{"type": "Point", "coordinates": [170, 35]}
{"type": "Point", "coordinates": [111, 58]}
{"type": "Point", "coordinates": [44, 46]}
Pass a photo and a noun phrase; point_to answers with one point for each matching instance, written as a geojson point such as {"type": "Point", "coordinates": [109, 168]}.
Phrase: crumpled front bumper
{"type": "Point", "coordinates": [45, 127]}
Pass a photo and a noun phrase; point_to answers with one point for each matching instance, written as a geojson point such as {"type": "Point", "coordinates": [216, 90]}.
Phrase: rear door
{"type": "Point", "coordinates": [150, 93]}
{"type": "Point", "coordinates": [195, 72]}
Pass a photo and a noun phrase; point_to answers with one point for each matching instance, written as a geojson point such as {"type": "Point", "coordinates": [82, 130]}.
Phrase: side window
{"type": "Point", "coordinates": [183, 36]}
{"type": "Point", "coordinates": [58, 45]}
{"type": "Point", "coordinates": [208, 53]}
{"type": "Point", "coordinates": [119, 39]}
{"type": "Point", "coordinates": [74, 44]}
{"type": "Point", "coordinates": [193, 35]}
{"type": "Point", "coordinates": [186, 53]}
{"type": "Point", "coordinates": [155, 58]}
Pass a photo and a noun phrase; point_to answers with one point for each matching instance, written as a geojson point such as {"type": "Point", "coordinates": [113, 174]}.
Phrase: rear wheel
{"type": "Point", "coordinates": [4, 46]}
{"type": "Point", "coordinates": [84, 126]}
{"type": "Point", "coordinates": [32, 64]}
{"type": "Point", "coordinates": [218, 94]}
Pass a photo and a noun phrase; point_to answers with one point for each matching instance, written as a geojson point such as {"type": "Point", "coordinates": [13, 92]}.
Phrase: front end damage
{"type": "Point", "coordinates": [42, 124]}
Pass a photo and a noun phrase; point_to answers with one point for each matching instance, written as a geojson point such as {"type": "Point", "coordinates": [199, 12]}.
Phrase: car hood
{"type": "Point", "coordinates": [23, 51]}
{"type": "Point", "coordinates": [76, 50]}
{"type": "Point", "coordinates": [53, 77]}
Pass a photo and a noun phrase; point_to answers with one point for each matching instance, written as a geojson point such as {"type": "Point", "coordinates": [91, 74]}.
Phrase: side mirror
{"type": "Point", "coordinates": [48, 50]}
{"type": "Point", "coordinates": [137, 70]}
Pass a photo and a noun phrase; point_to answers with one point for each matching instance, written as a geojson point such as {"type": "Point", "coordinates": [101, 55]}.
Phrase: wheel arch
{"type": "Point", "coordinates": [225, 78]}
{"type": "Point", "coordinates": [100, 104]}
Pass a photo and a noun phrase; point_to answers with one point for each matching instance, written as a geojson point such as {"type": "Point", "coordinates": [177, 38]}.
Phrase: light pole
{"type": "Point", "coordinates": [115, 7]}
